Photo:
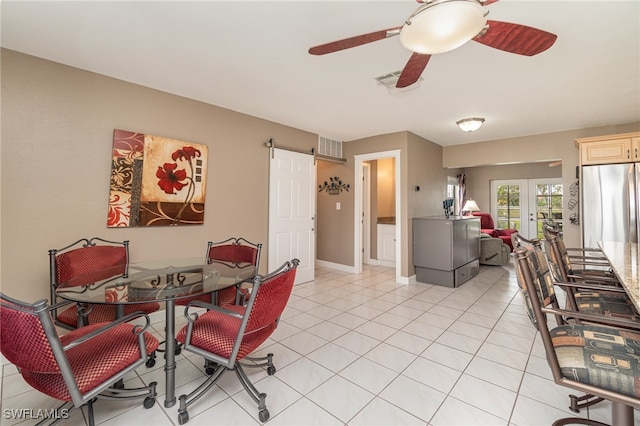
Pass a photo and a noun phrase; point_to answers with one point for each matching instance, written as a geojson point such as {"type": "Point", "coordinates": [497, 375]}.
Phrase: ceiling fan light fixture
{"type": "Point", "coordinates": [470, 124]}
{"type": "Point", "coordinates": [443, 25]}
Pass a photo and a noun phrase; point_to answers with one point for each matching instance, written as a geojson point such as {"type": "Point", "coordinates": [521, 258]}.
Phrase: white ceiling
{"type": "Point", "coordinates": [252, 57]}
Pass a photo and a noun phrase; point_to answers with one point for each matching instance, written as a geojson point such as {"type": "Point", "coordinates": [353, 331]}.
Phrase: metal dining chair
{"type": "Point", "coordinates": [578, 263]}
{"type": "Point", "coordinates": [226, 335]}
{"type": "Point", "coordinates": [604, 295]}
{"type": "Point", "coordinates": [80, 366]}
{"type": "Point", "coordinates": [594, 354]}
{"type": "Point", "coordinates": [234, 251]}
{"type": "Point", "coordinates": [585, 297]}
{"type": "Point", "coordinates": [83, 262]}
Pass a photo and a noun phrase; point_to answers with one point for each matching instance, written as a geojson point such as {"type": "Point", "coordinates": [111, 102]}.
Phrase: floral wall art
{"type": "Point", "coordinates": [156, 181]}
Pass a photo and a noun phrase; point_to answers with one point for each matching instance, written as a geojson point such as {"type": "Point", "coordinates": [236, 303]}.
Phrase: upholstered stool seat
{"type": "Point", "coordinates": [606, 303]}
{"type": "Point", "coordinates": [591, 353]}
{"type": "Point", "coordinates": [605, 357]}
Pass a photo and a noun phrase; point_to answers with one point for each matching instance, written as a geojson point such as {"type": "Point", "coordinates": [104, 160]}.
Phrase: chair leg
{"type": "Point", "coordinates": [91, 419]}
{"type": "Point", "coordinates": [148, 392]}
{"type": "Point", "coordinates": [621, 414]}
{"type": "Point", "coordinates": [151, 360]}
{"type": "Point", "coordinates": [258, 397]}
{"type": "Point", "coordinates": [584, 401]}
{"type": "Point", "coordinates": [578, 421]}
{"type": "Point", "coordinates": [268, 362]}
{"type": "Point", "coordinates": [187, 400]}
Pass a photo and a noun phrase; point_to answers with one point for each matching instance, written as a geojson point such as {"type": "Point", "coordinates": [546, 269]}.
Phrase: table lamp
{"type": "Point", "coordinates": [470, 206]}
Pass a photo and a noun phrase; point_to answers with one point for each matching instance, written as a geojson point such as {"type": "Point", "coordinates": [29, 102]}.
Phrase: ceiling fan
{"type": "Point", "coordinates": [439, 26]}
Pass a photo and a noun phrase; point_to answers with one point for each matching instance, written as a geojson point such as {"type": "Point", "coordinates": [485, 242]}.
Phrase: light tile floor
{"type": "Point", "coordinates": [364, 350]}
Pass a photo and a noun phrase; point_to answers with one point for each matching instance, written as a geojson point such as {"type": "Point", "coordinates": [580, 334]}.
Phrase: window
{"type": "Point", "coordinates": [548, 202]}
{"type": "Point", "coordinates": [509, 209]}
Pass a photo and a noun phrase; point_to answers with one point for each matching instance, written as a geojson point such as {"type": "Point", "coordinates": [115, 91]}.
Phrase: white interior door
{"type": "Point", "coordinates": [292, 207]}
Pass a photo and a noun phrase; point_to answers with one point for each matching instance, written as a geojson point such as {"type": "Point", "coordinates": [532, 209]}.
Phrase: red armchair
{"type": "Point", "coordinates": [487, 227]}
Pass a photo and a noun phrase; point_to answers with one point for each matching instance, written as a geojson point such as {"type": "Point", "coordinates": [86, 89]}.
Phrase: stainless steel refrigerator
{"type": "Point", "coordinates": [610, 199]}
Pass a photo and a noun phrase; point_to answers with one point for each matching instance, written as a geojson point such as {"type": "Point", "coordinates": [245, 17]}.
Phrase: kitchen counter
{"type": "Point", "coordinates": [388, 220]}
{"type": "Point", "coordinates": [625, 261]}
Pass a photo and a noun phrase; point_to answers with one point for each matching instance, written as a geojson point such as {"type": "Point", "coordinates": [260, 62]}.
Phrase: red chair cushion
{"type": "Point", "coordinates": [486, 221]}
{"type": "Point", "coordinates": [491, 232]}
{"type": "Point", "coordinates": [234, 253]}
{"type": "Point", "coordinates": [88, 262]}
{"type": "Point", "coordinates": [32, 350]}
{"type": "Point", "coordinates": [215, 332]}
{"type": "Point", "coordinates": [487, 227]}
{"type": "Point", "coordinates": [226, 296]}
{"type": "Point", "coordinates": [104, 313]}
{"type": "Point", "coordinates": [93, 362]}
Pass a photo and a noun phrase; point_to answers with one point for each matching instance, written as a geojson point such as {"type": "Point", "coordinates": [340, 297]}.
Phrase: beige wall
{"type": "Point", "coordinates": [331, 222]}
{"type": "Point", "coordinates": [478, 179]}
{"type": "Point", "coordinates": [57, 130]}
{"type": "Point", "coordinates": [529, 149]}
{"type": "Point", "coordinates": [420, 165]}
{"type": "Point", "coordinates": [424, 170]}
{"type": "Point", "coordinates": [393, 141]}
{"type": "Point", "coordinates": [386, 192]}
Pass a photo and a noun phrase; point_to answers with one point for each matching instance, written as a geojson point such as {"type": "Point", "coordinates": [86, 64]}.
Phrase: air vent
{"type": "Point", "coordinates": [329, 147]}
{"type": "Point", "coordinates": [389, 81]}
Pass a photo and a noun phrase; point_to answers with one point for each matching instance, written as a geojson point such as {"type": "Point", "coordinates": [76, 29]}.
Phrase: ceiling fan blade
{"type": "Point", "coordinates": [516, 38]}
{"type": "Point", "coordinates": [484, 2]}
{"type": "Point", "coordinates": [413, 70]}
{"type": "Point", "coordinates": [347, 43]}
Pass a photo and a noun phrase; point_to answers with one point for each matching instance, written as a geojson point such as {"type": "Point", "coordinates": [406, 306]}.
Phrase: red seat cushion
{"type": "Point", "coordinates": [215, 332]}
{"type": "Point", "coordinates": [104, 313]}
{"type": "Point", "coordinates": [226, 296]}
{"type": "Point", "coordinates": [93, 362]}
{"type": "Point", "coordinates": [491, 232]}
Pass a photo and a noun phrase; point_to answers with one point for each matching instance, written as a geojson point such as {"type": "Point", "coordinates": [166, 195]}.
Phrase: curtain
{"type": "Point", "coordinates": [462, 192]}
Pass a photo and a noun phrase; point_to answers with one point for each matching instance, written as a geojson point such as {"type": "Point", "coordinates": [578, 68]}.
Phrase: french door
{"type": "Point", "coordinates": [527, 204]}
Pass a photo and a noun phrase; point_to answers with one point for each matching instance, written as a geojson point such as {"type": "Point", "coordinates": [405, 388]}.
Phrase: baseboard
{"type": "Point", "coordinates": [337, 266]}
{"type": "Point", "coordinates": [378, 262]}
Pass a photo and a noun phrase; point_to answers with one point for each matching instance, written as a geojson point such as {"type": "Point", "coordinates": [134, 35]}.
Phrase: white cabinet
{"type": "Point", "coordinates": [386, 244]}
{"type": "Point", "coordinates": [621, 148]}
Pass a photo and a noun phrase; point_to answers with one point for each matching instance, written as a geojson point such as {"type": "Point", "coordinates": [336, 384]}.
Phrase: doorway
{"type": "Point", "coordinates": [359, 194]}
{"type": "Point", "coordinates": [366, 213]}
{"type": "Point", "coordinates": [527, 204]}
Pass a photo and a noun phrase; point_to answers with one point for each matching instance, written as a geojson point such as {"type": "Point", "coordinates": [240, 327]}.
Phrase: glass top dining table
{"type": "Point", "coordinates": [161, 281]}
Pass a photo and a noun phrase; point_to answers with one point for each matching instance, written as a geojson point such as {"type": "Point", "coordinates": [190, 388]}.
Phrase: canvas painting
{"type": "Point", "coordinates": [156, 181]}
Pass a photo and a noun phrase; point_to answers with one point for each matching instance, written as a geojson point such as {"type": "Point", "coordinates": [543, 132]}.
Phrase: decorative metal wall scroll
{"type": "Point", "coordinates": [334, 186]}
{"type": "Point", "coordinates": [574, 191]}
